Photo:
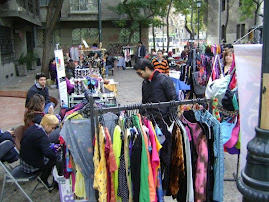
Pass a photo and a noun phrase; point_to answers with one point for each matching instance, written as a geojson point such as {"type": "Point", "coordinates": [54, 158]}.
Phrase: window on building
{"type": "Point", "coordinates": [90, 35]}
{"type": "Point", "coordinates": [124, 35]}
{"type": "Point", "coordinates": [237, 31]}
{"type": "Point", "coordinates": [242, 30]}
{"type": "Point", "coordinates": [44, 2]}
{"type": "Point", "coordinates": [223, 5]}
{"type": "Point", "coordinates": [135, 38]}
{"type": "Point", "coordinates": [6, 45]}
{"type": "Point", "coordinates": [30, 6]}
{"type": "Point", "coordinates": [222, 32]}
{"type": "Point", "coordinates": [56, 36]}
{"type": "Point", "coordinates": [37, 7]}
{"type": "Point", "coordinates": [21, 3]}
{"type": "Point", "coordinates": [83, 5]}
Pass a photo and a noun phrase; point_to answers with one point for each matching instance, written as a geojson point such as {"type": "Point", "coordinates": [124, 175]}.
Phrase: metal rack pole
{"type": "Point", "coordinates": [91, 101]}
{"type": "Point", "coordinates": [153, 105]}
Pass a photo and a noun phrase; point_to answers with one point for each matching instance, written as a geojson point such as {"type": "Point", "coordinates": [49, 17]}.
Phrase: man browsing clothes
{"type": "Point", "coordinates": [156, 87]}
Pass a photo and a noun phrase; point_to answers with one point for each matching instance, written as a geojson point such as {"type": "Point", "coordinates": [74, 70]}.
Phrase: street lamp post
{"type": "Point", "coordinates": [199, 3]}
{"type": "Point", "coordinates": [254, 180]}
{"type": "Point", "coordinates": [100, 22]}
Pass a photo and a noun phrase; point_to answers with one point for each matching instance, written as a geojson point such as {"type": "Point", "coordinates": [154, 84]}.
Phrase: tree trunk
{"type": "Point", "coordinates": [188, 29]}
{"type": "Point", "coordinates": [227, 20]}
{"type": "Point", "coordinates": [153, 37]}
{"type": "Point", "coordinates": [53, 14]}
{"type": "Point", "coordinates": [130, 36]}
{"type": "Point", "coordinates": [192, 29]}
{"type": "Point", "coordinates": [167, 24]}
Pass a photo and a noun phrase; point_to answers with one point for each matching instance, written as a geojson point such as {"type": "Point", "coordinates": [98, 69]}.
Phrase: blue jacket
{"type": "Point", "coordinates": [12, 155]}
{"type": "Point", "coordinates": [35, 146]}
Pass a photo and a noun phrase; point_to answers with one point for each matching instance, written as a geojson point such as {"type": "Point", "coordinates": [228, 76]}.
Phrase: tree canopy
{"type": "Point", "coordinates": [139, 13]}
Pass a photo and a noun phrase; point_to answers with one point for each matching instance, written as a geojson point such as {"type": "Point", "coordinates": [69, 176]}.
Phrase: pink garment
{"type": "Point", "coordinates": [152, 187]}
{"type": "Point", "coordinates": [111, 167]}
{"type": "Point", "coordinates": [154, 158]}
{"type": "Point", "coordinates": [195, 131]}
{"type": "Point", "coordinates": [78, 107]}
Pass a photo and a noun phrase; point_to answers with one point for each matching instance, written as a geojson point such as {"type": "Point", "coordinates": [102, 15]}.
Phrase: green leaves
{"type": "Point", "coordinates": [249, 9]}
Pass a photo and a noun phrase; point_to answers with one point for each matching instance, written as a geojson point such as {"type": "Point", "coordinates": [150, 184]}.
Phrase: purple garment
{"type": "Point", "coordinates": [233, 150]}
{"type": "Point", "coordinates": [70, 87]}
{"type": "Point", "coordinates": [52, 67]}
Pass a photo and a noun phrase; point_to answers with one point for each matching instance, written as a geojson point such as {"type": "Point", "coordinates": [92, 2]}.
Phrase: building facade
{"type": "Point", "coordinates": [217, 13]}
{"type": "Point", "coordinates": [79, 20]}
{"type": "Point", "coordinates": [18, 22]}
{"type": "Point", "coordinates": [22, 24]}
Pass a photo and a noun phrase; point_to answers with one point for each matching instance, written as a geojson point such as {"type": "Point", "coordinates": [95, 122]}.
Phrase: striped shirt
{"type": "Point", "coordinates": [162, 66]}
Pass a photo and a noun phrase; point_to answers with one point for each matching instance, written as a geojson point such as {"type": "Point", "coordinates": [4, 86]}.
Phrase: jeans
{"type": "Point", "coordinates": [108, 67]}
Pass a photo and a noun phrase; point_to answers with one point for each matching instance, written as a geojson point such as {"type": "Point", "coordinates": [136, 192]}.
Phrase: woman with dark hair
{"type": "Point", "coordinates": [35, 110]}
{"type": "Point", "coordinates": [35, 113]}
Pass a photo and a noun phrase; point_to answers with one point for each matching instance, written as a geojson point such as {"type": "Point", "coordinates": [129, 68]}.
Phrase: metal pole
{"type": "Point", "coordinates": [198, 25]}
{"type": "Point", "coordinates": [220, 10]}
{"type": "Point", "coordinates": [254, 180]}
{"type": "Point", "coordinates": [100, 22]}
{"type": "Point", "coordinates": [154, 105]}
{"type": "Point", "coordinates": [163, 33]}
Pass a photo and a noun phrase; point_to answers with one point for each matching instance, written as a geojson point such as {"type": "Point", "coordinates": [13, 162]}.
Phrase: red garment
{"type": "Point", "coordinates": [61, 140]}
{"type": "Point", "coordinates": [150, 78]}
{"type": "Point", "coordinates": [111, 167]}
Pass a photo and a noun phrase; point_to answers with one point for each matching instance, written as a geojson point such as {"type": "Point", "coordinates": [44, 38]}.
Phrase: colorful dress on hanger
{"type": "Point", "coordinates": [111, 167]}
{"type": "Point", "coordinates": [117, 151]}
{"type": "Point", "coordinates": [100, 172]}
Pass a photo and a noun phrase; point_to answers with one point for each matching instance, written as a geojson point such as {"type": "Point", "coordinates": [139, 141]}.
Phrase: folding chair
{"type": "Point", "coordinates": [16, 175]}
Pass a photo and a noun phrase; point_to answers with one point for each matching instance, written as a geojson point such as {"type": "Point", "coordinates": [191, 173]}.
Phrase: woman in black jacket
{"type": "Point", "coordinates": [37, 153]}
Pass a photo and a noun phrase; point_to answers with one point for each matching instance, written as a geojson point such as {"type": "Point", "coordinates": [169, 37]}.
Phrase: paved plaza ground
{"type": "Point", "coordinates": [129, 92]}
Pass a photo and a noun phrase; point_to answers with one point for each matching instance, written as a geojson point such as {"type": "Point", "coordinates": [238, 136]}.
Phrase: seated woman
{"type": "Point", "coordinates": [35, 110]}
{"type": "Point", "coordinates": [36, 153]}
{"type": "Point", "coordinates": [35, 113]}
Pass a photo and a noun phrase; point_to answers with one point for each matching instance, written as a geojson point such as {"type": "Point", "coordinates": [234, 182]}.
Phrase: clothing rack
{"type": "Point", "coordinates": [94, 112]}
{"type": "Point", "coordinates": [125, 47]}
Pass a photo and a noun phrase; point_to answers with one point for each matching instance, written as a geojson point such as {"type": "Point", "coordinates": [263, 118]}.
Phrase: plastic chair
{"type": "Point", "coordinates": [16, 175]}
